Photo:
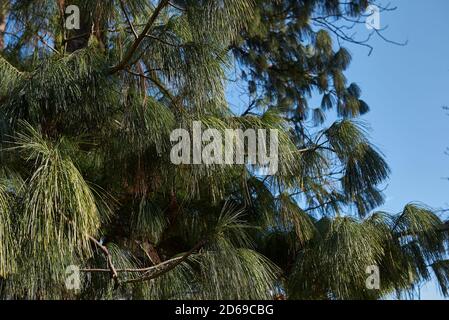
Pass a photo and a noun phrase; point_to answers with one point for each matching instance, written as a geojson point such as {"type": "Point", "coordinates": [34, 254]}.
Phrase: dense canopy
{"type": "Point", "coordinates": [86, 178]}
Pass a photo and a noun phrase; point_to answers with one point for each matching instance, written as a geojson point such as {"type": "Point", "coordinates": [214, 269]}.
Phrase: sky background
{"type": "Point", "coordinates": [406, 88]}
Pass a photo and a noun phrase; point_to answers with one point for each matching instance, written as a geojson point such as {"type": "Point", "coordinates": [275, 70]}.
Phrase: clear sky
{"type": "Point", "coordinates": [406, 88]}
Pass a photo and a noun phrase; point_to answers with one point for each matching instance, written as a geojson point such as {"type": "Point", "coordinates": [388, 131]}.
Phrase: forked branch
{"type": "Point", "coordinates": [129, 54]}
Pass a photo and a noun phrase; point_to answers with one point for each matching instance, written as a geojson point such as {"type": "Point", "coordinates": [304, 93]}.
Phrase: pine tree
{"type": "Point", "coordinates": [86, 178]}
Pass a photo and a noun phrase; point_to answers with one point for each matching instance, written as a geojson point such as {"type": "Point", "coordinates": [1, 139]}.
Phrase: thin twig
{"type": "Point", "coordinates": [166, 266]}
{"type": "Point", "coordinates": [128, 20]}
{"type": "Point", "coordinates": [111, 267]}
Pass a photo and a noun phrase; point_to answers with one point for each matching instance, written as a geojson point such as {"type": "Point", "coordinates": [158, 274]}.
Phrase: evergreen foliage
{"type": "Point", "coordinates": [86, 178]}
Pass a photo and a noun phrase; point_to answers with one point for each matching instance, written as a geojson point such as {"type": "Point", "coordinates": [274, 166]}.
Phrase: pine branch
{"type": "Point", "coordinates": [6, 62]}
{"type": "Point", "coordinates": [122, 5]}
{"type": "Point", "coordinates": [170, 267]}
{"type": "Point", "coordinates": [154, 81]}
{"type": "Point", "coordinates": [166, 266]}
{"type": "Point", "coordinates": [124, 63]}
{"type": "Point", "coordinates": [111, 266]}
{"type": "Point", "coordinates": [444, 228]}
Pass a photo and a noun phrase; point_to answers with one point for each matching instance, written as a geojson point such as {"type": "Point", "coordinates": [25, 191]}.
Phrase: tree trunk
{"type": "Point", "coordinates": [3, 14]}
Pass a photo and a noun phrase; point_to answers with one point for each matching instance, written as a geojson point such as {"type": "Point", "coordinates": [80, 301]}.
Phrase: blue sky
{"type": "Point", "coordinates": [406, 88]}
